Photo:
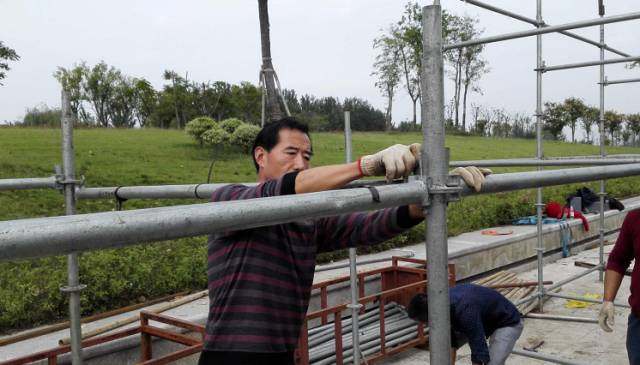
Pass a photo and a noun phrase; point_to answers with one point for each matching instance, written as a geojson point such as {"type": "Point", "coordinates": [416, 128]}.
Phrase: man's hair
{"type": "Point", "coordinates": [269, 135]}
{"type": "Point", "coordinates": [418, 308]}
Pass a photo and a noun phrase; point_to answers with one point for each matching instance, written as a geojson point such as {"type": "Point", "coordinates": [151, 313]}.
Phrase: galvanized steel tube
{"type": "Point", "coordinates": [539, 156]}
{"type": "Point", "coordinates": [624, 81]}
{"type": "Point", "coordinates": [602, 155]}
{"type": "Point", "coordinates": [545, 30]}
{"type": "Point", "coordinates": [560, 318]}
{"type": "Point", "coordinates": [435, 163]}
{"type": "Point", "coordinates": [353, 271]}
{"type": "Point", "coordinates": [549, 358]}
{"type": "Point", "coordinates": [588, 300]}
{"type": "Point", "coordinates": [590, 63]}
{"type": "Point", "coordinates": [29, 183]}
{"type": "Point", "coordinates": [535, 22]}
{"type": "Point", "coordinates": [69, 172]}
{"type": "Point", "coordinates": [545, 162]}
{"type": "Point", "coordinates": [532, 179]}
{"type": "Point", "coordinates": [38, 237]}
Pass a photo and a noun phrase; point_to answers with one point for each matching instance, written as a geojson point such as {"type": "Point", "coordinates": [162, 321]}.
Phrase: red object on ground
{"type": "Point", "coordinates": [555, 210]}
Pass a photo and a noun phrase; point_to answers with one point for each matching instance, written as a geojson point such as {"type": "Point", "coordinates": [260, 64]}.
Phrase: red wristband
{"type": "Point", "coordinates": [360, 167]}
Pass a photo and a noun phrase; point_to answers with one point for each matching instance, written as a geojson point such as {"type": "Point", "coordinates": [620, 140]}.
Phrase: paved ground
{"type": "Point", "coordinates": [580, 342]}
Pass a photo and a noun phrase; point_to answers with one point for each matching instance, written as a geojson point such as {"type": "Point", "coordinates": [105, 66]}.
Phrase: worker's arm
{"type": "Point", "coordinates": [612, 281]}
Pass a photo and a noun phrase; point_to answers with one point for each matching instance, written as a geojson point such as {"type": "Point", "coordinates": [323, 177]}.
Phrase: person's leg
{"type": "Point", "coordinates": [245, 358]}
{"type": "Point", "coordinates": [502, 341]}
{"type": "Point", "coordinates": [633, 340]}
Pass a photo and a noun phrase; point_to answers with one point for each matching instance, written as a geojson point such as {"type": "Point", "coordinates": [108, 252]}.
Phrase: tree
{"type": "Point", "coordinates": [554, 119]}
{"type": "Point", "coordinates": [72, 81]}
{"type": "Point", "coordinates": [121, 108]}
{"type": "Point", "coordinates": [6, 54]}
{"type": "Point", "coordinates": [42, 116]}
{"type": "Point", "coordinates": [574, 110]}
{"type": "Point", "coordinates": [613, 124]}
{"type": "Point", "coordinates": [247, 102]}
{"type": "Point", "coordinates": [474, 67]}
{"type": "Point", "coordinates": [180, 96]}
{"type": "Point", "coordinates": [590, 116]}
{"type": "Point", "coordinates": [388, 72]}
{"type": "Point", "coordinates": [100, 86]}
{"type": "Point", "coordinates": [633, 125]}
{"type": "Point", "coordinates": [408, 33]}
{"type": "Point", "coordinates": [267, 71]}
{"type": "Point", "coordinates": [146, 100]}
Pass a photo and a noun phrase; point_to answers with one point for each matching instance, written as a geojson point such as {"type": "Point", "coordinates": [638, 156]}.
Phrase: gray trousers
{"type": "Point", "coordinates": [502, 341]}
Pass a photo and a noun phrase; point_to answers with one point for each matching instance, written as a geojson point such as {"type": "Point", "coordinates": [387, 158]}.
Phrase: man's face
{"type": "Point", "coordinates": [292, 153]}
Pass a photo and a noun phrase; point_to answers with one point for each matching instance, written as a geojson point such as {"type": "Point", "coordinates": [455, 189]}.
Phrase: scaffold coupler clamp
{"type": "Point", "coordinates": [73, 289]}
{"type": "Point", "coordinates": [61, 181]}
{"type": "Point", "coordinates": [452, 189]}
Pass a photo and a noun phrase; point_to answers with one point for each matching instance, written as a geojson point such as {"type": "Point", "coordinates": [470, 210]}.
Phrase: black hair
{"type": "Point", "coordinates": [269, 135]}
{"type": "Point", "coordinates": [418, 308]}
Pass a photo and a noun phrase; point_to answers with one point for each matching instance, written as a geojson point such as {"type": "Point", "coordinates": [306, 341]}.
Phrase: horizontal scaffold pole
{"type": "Point", "coordinates": [625, 81]}
{"type": "Point", "coordinates": [204, 191]}
{"type": "Point", "coordinates": [29, 183]}
{"type": "Point", "coordinates": [38, 237]}
{"type": "Point", "coordinates": [589, 63]}
{"type": "Point", "coordinates": [531, 21]}
{"type": "Point", "coordinates": [544, 30]}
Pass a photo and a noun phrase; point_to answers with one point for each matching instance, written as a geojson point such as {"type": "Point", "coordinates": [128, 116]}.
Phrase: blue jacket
{"type": "Point", "coordinates": [477, 312]}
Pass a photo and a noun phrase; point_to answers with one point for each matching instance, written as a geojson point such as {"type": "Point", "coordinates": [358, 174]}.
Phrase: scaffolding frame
{"type": "Point", "coordinates": [33, 237]}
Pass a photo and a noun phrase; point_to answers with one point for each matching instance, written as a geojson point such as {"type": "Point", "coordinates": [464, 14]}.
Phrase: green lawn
{"type": "Point", "coordinates": [109, 157]}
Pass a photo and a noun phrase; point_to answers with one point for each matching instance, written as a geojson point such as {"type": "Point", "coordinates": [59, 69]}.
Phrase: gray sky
{"type": "Point", "coordinates": [321, 47]}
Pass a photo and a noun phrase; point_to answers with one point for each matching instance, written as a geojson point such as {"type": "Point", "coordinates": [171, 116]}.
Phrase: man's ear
{"type": "Point", "coordinates": [260, 154]}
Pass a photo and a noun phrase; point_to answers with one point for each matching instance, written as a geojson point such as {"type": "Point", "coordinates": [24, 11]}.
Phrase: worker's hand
{"type": "Point", "coordinates": [606, 317]}
{"type": "Point", "coordinates": [473, 176]}
{"type": "Point", "coordinates": [393, 162]}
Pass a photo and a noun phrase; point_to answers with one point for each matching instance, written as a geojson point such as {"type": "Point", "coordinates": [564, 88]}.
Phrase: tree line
{"type": "Point", "coordinates": [103, 96]}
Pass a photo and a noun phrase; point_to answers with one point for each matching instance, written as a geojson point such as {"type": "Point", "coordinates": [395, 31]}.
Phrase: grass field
{"type": "Point", "coordinates": [29, 292]}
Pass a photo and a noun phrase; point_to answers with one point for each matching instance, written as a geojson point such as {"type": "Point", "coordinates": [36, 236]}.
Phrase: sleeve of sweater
{"type": "Point", "coordinates": [622, 253]}
{"type": "Point", "coordinates": [469, 322]}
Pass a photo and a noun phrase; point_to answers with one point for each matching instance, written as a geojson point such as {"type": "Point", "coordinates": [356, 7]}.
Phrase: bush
{"type": "Point", "coordinates": [216, 136]}
{"type": "Point", "coordinates": [231, 124]}
{"type": "Point", "coordinates": [244, 136]}
{"type": "Point", "coordinates": [196, 127]}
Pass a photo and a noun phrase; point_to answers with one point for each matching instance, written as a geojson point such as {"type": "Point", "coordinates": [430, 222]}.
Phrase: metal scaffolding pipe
{"type": "Point", "coordinates": [623, 81]}
{"type": "Point", "coordinates": [360, 262]}
{"type": "Point", "coordinates": [602, 155]}
{"type": "Point", "coordinates": [560, 318]}
{"type": "Point", "coordinates": [539, 155]}
{"type": "Point", "coordinates": [434, 166]}
{"type": "Point", "coordinates": [535, 22]}
{"type": "Point", "coordinates": [590, 63]}
{"type": "Point", "coordinates": [532, 179]}
{"type": "Point", "coordinates": [573, 278]}
{"type": "Point", "coordinates": [545, 30]}
{"type": "Point", "coordinates": [588, 300]}
{"type": "Point", "coordinates": [29, 183]}
{"type": "Point", "coordinates": [546, 357]}
{"type": "Point", "coordinates": [545, 162]}
{"type": "Point", "coordinates": [353, 271]}
{"type": "Point", "coordinates": [38, 237]}
{"type": "Point", "coordinates": [73, 287]}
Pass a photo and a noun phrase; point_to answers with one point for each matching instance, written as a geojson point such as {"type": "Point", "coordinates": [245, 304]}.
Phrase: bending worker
{"type": "Point", "coordinates": [627, 248]}
{"type": "Point", "coordinates": [260, 279]}
{"type": "Point", "coordinates": [477, 313]}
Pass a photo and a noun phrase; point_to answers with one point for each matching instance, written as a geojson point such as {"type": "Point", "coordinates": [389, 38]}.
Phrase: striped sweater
{"type": "Point", "coordinates": [260, 279]}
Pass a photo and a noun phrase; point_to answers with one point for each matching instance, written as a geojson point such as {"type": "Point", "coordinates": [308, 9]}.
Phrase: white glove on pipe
{"type": "Point", "coordinates": [473, 176]}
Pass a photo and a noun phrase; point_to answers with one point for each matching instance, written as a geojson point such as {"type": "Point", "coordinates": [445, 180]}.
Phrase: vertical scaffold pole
{"type": "Point", "coordinates": [74, 287]}
{"type": "Point", "coordinates": [539, 155]}
{"type": "Point", "coordinates": [353, 271]}
{"type": "Point", "coordinates": [434, 162]}
{"type": "Point", "coordinates": [602, 152]}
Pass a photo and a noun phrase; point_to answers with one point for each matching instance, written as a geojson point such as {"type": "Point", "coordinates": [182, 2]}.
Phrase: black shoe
{"type": "Point", "coordinates": [615, 204]}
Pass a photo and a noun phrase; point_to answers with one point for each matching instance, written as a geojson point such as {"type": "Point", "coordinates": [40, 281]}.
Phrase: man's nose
{"type": "Point", "coordinates": [300, 162]}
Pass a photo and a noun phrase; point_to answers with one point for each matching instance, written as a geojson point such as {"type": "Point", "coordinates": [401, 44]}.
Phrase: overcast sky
{"type": "Point", "coordinates": [321, 47]}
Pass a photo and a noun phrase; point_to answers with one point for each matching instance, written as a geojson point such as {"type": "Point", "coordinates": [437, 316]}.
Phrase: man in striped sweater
{"type": "Point", "coordinates": [260, 279]}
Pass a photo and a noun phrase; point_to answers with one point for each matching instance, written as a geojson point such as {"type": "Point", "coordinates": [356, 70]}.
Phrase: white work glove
{"type": "Point", "coordinates": [393, 162]}
{"type": "Point", "coordinates": [606, 317]}
{"type": "Point", "coordinates": [473, 176]}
